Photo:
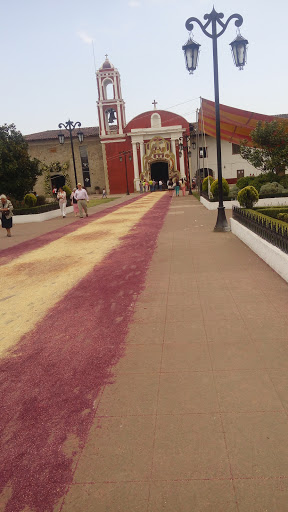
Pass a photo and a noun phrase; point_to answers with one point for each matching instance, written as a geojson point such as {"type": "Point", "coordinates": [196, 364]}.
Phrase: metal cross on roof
{"type": "Point", "coordinates": [155, 103]}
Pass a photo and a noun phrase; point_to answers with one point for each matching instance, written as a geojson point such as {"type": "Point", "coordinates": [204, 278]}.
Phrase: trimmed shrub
{"type": "Point", "coordinates": [248, 196]}
{"type": "Point", "coordinates": [205, 183]}
{"type": "Point", "coordinates": [41, 200]}
{"type": "Point", "coordinates": [283, 216]}
{"type": "Point", "coordinates": [30, 200]}
{"type": "Point", "coordinates": [272, 188]}
{"type": "Point", "coordinates": [225, 188]}
{"type": "Point", "coordinates": [36, 209]}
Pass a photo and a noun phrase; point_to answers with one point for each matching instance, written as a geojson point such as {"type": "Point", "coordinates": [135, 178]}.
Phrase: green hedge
{"type": "Point", "coordinates": [272, 211]}
{"type": "Point", "coordinates": [273, 221]}
{"type": "Point", "coordinates": [36, 209]}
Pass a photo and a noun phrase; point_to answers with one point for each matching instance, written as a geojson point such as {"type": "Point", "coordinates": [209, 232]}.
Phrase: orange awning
{"type": "Point", "coordinates": [235, 124]}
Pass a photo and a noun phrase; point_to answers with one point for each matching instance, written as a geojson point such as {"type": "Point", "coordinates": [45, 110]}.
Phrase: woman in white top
{"type": "Point", "coordinates": [61, 196]}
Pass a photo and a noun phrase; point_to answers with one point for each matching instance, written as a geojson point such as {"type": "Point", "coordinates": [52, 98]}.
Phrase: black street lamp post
{"type": "Point", "coordinates": [70, 126]}
{"type": "Point", "coordinates": [239, 52]}
{"type": "Point", "coordinates": [125, 153]}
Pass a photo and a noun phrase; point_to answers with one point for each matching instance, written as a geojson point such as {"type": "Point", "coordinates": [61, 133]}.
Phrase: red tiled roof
{"type": "Point", "coordinates": [53, 134]}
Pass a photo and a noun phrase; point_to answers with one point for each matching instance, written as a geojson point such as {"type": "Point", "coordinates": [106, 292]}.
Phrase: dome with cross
{"type": "Point", "coordinates": [107, 64]}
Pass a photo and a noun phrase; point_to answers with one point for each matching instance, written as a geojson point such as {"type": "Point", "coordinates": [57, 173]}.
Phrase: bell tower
{"type": "Point", "coordinates": [111, 107]}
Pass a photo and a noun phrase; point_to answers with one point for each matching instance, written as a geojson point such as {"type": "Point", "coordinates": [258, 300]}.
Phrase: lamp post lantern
{"type": "Point", "coordinates": [70, 126]}
{"type": "Point", "coordinates": [121, 155]}
{"type": "Point", "coordinates": [239, 50]}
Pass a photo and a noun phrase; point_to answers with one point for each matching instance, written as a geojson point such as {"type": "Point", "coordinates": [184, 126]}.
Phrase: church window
{"type": "Point", "coordinates": [235, 149]}
{"type": "Point", "coordinates": [155, 120]}
{"type": "Point", "coordinates": [203, 152]}
{"type": "Point", "coordinates": [85, 166]}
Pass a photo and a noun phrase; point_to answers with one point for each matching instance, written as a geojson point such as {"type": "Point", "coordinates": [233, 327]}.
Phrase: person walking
{"type": "Point", "coordinates": [6, 213]}
{"type": "Point", "coordinates": [141, 187]}
{"type": "Point", "coordinates": [177, 187]}
{"type": "Point", "coordinates": [160, 185]}
{"type": "Point", "coordinates": [61, 196]}
{"type": "Point", "coordinates": [183, 186]}
{"type": "Point", "coordinates": [151, 185]}
{"type": "Point", "coordinates": [82, 198]}
{"type": "Point", "coordinates": [74, 202]}
{"type": "Point", "coordinates": [146, 186]}
{"type": "Point", "coordinates": [104, 194]}
{"type": "Point", "coordinates": [154, 185]}
{"type": "Point", "coordinates": [170, 187]}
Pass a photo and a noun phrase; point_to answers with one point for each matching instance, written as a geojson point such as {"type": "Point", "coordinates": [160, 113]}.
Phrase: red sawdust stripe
{"type": "Point", "coordinates": [52, 379]}
{"type": "Point", "coordinates": [7, 255]}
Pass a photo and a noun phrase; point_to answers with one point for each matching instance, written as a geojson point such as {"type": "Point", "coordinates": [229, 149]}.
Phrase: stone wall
{"type": "Point", "coordinates": [48, 151]}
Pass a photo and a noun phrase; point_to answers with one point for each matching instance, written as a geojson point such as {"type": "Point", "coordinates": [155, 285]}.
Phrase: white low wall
{"type": "Point", "coordinates": [269, 201]}
{"type": "Point", "coordinates": [274, 257]}
{"type": "Point", "coordinates": [39, 217]}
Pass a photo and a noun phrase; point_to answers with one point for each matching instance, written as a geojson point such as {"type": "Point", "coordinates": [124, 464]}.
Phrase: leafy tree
{"type": "Point", "coordinates": [18, 172]}
{"type": "Point", "coordinates": [269, 151]}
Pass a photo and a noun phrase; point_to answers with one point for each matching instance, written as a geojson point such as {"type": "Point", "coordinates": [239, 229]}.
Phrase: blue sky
{"type": "Point", "coordinates": [48, 69]}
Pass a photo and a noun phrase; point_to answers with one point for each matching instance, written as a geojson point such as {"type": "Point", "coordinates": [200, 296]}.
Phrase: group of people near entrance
{"type": "Point", "coordinates": [152, 185]}
{"type": "Point", "coordinates": [172, 186]}
{"type": "Point", "coordinates": [176, 185]}
{"type": "Point", "coordinates": [79, 198]}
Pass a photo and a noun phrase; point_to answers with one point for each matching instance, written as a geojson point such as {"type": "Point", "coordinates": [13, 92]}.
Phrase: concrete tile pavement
{"type": "Point", "coordinates": [195, 417]}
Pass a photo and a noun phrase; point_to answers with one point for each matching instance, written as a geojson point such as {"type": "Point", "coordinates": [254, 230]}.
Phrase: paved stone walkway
{"type": "Point", "coordinates": [196, 419]}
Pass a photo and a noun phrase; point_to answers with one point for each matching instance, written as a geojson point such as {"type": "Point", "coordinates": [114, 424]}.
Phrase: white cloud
{"type": "Point", "coordinates": [134, 3]}
{"type": "Point", "coordinates": [87, 39]}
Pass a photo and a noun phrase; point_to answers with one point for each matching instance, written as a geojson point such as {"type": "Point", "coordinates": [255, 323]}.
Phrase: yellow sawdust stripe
{"type": "Point", "coordinates": [36, 281]}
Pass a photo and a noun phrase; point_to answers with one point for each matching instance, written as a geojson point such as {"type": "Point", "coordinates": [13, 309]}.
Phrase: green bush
{"type": "Point", "coordinates": [261, 179]}
{"type": "Point", "coordinates": [205, 183]}
{"type": "Point", "coordinates": [248, 196]}
{"type": "Point", "coordinates": [283, 180]}
{"type": "Point", "coordinates": [41, 200]}
{"type": "Point", "coordinates": [283, 216]}
{"type": "Point", "coordinates": [273, 211]}
{"type": "Point", "coordinates": [30, 200]}
{"type": "Point", "coordinates": [245, 181]}
{"type": "Point", "coordinates": [68, 191]}
{"type": "Point", "coordinates": [225, 188]}
{"type": "Point", "coordinates": [233, 193]}
{"type": "Point", "coordinates": [272, 188]}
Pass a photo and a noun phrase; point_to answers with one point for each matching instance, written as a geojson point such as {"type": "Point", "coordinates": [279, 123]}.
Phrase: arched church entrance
{"type": "Point", "coordinates": [159, 171]}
